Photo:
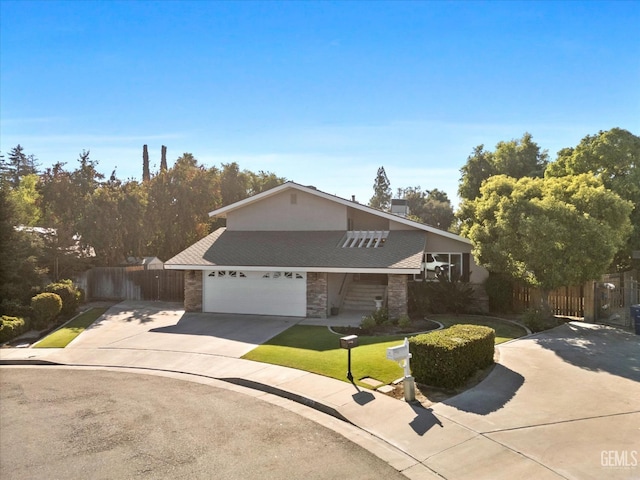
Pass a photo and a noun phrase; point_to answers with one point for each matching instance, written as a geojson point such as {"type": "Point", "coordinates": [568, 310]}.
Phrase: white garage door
{"type": "Point", "coordinates": [260, 293]}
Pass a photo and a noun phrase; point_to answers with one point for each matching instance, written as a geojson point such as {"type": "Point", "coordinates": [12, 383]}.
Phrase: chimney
{"type": "Point", "coordinates": [353, 198]}
{"type": "Point", "coordinates": [400, 207]}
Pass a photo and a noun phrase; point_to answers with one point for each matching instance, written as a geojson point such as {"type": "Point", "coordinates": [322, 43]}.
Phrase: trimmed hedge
{"type": "Point", "coordinates": [446, 358]}
{"type": "Point", "coordinates": [69, 295]}
{"type": "Point", "coordinates": [11, 327]}
{"type": "Point", "coordinates": [46, 307]}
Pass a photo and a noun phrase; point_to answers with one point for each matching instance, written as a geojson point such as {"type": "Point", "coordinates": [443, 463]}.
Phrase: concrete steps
{"type": "Point", "coordinates": [361, 296]}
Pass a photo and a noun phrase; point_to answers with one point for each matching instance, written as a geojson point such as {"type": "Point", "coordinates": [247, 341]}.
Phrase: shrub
{"type": "Point", "coordinates": [69, 294]}
{"type": "Point", "coordinates": [46, 307]}
{"type": "Point", "coordinates": [11, 327]}
{"type": "Point", "coordinates": [404, 321]}
{"type": "Point", "coordinates": [368, 323]}
{"type": "Point", "coordinates": [537, 321]}
{"type": "Point", "coordinates": [380, 316]}
{"type": "Point", "coordinates": [446, 358]}
{"type": "Point", "coordinates": [442, 296]}
{"type": "Point", "coordinates": [499, 288]}
{"type": "Point", "coordinates": [13, 308]}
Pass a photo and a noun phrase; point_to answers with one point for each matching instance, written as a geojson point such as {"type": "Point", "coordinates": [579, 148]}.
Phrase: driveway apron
{"type": "Point", "coordinates": [166, 327]}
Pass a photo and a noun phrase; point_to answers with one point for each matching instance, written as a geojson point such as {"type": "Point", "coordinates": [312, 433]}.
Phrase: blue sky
{"type": "Point", "coordinates": [322, 93]}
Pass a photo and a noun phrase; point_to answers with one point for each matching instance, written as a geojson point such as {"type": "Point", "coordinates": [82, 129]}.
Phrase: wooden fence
{"type": "Point", "coordinates": [133, 283]}
{"type": "Point", "coordinates": [564, 301]}
{"type": "Point", "coordinates": [605, 301]}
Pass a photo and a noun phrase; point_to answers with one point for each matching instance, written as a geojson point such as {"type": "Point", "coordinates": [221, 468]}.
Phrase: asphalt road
{"type": "Point", "coordinates": [79, 424]}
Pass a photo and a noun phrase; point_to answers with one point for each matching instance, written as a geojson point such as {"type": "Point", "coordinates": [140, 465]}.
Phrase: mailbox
{"type": "Point", "coordinates": [399, 353]}
{"type": "Point", "coordinates": [349, 342]}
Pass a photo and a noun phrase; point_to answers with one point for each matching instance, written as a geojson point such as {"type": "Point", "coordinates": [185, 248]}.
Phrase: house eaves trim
{"type": "Point", "coordinates": [221, 212]}
{"type": "Point", "coordinates": [400, 271]}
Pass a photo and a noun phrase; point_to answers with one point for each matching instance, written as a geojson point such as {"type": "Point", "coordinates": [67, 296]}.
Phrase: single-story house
{"type": "Point", "coordinates": [297, 251]}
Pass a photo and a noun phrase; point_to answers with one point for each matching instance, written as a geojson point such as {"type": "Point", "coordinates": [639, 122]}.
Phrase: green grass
{"type": "Point", "coordinates": [64, 335]}
{"type": "Point", "coordinates": [317, 350]}
{"type": "Point", "coordinates": [505, 331]}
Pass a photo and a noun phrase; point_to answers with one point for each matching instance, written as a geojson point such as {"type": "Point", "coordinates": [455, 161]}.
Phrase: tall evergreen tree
{"type": "Point", "coordinates": [163, 159]}
{"type": "Point", "coordinates": [17, 165]}
{"type": "Point", "coordinates": [146, 174]}
{"type": "Point", "coordinates": [381, 192]}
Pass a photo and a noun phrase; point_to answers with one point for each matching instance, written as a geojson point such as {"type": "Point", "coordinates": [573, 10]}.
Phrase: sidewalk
{"type": "Point", "coordinates": [503, 429]}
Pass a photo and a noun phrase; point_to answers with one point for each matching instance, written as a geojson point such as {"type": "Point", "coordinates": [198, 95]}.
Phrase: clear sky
{"type": "Point", "coordinates": [322, 93]}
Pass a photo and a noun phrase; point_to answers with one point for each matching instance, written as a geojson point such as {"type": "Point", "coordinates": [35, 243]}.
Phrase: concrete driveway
{"type": "Point", "coordinates": [166, 327]}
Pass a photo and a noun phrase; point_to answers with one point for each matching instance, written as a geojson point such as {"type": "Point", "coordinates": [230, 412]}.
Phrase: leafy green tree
{"type": "Point", "coordinates": [549, 232]}
{"type": "Point", "coordinates": [479, 167]}
{"type": "Point", "coordinates": [262, 181]}
{"type": "Point", "coordinates": [515, 158]}
{"type": "Point", "coordinates": [381, 191]}
{"type": "Point", "coordinates": [19, 269]}
{"type": "Point", "coordinates": [178, 204]}
{"type": "Point", "coordinates": [25, 198]}
{"type": "Point", "coordinates": [614, 156]}
{"type": "Point", "coordinates": [66, 198]}
{"type": "Point", "coordinates": [431, 207]}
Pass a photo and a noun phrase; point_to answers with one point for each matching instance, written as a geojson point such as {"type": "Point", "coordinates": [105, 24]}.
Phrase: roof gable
{"type": "Point", "coordinates": [222, 212]}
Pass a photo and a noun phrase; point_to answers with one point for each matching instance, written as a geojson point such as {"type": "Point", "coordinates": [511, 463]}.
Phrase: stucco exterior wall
{"type": "Point", "coordinates": [193, 291]}
{"type": "Point", "coordinates": [317, 295]}
{"type": "Point", "coordinates": [438, 244]}
{"type": "Point", "coordinates": [360, 220]}
{"type": "Point", "coordinates": [289, 210]}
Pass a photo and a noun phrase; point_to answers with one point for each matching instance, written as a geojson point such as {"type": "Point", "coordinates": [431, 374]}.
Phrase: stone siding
{"type": "Point", "coordinates": [193, 291]}
{"type": "Point", "coordinates": [397, 295]}
{"type": "Point", "coordinates": [317, 295]}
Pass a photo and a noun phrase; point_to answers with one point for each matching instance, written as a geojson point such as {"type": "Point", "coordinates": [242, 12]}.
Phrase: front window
{"type": "Point", "coordinates": [442, 265]}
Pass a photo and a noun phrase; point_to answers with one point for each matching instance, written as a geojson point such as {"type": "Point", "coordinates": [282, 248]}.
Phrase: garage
{"type": "Point", "coordinates": [258, 293]}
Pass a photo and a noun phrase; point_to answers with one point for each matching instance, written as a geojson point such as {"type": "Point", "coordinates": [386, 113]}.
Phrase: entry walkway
{"type": "Point", "coordinates": [549, 410]}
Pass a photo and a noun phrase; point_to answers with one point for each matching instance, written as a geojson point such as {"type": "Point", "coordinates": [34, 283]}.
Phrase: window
{"type": "Point", "coordinates": [364, 239]}
{"type": "Point", "coordinates": [446, 265]}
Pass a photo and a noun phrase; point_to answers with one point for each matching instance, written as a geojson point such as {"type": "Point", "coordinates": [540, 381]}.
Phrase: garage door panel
{"type": "Point", "coordinates": [260, 293]}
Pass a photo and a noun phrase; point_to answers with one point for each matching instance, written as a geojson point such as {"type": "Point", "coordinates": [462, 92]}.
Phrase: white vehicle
{"type": "Point", "coordinates": [437, 265]}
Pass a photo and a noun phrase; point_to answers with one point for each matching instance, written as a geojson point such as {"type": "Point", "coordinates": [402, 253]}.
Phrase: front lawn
{"type": "Point", "coordinates": [505, 330]}
{"type": "Point", "coordinates": [64, 335]}
{"type": "Point", "coordinates": [317, 350]}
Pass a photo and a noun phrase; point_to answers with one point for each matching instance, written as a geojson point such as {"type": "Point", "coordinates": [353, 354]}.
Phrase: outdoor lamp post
{"type": "Point", "coordinates": [348, 343]}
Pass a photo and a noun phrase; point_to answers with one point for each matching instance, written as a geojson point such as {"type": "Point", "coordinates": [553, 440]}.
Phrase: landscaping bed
{"type": "Point", "coordinates": [415, 327]}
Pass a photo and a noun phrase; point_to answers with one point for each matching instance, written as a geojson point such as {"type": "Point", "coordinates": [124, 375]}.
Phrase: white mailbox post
{"type": "Point", "coordinates": [401, 355]}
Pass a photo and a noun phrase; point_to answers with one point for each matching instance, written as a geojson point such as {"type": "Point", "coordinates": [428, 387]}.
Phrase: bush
{"type": "Point", "coordinates": [499, 288]}
{"type": "Point", "coordinates": [368, 323]}
{"type": "Point", "coordinates": [538, 321]}
{"type": "Point", "coordinates": [446, 358]}
{"type": "Point", "coordinates": [46, 307]}
{"type": "Point", "coordinates": [380, 316]}
{"type": "Point", "coordinates": [69, 294]}
{"type": "Point", "coordinates": [11, 327]}
{"type": "Point", "coordinates": [442, 296]}
{"type": "Point", "coordinates": [13, 308]}
{"type": "Point", "coordinates": [404, 321]}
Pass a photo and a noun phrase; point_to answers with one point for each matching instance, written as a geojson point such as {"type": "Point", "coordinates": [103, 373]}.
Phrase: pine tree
{"type": "Point", "coordinates": [381, 192]}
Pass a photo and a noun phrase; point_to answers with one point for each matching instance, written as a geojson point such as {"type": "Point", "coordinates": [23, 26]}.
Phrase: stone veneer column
{"type": "Point", "coordinates": [397, 295]}
{"type": "Point", "coordinates": [317, 295]}
{"type": "Point", "coordinates": [193, 291]}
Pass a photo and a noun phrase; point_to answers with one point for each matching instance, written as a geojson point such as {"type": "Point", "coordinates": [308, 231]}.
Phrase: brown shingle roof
{"type": "Point", "coordinates": [402, 250]}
